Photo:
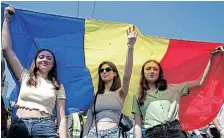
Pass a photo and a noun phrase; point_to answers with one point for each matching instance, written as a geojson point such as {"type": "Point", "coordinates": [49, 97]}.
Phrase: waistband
{"type": "Point", "coordinates": [112, 129]}
{"type": "Point", "coordinates": [107, 120]}
{"type": "Point", "coordinates": [34, 118]}
{"type": "Point", "coordinates": [167, 124]}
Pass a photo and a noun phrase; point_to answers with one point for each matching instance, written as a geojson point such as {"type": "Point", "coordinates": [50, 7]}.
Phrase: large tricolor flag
{"type": "Point", "coordinates": [80, 45]}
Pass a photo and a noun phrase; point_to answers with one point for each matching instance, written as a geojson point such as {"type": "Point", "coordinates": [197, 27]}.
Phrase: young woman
{"type": "Point", "coordinates": [40, 91]}
{"type": "Point", "coordinates": [103, 116]}
{"type": "Point", "coordinates": [158, 102]}
{"type": "Point", "coordinates": [219, 122]}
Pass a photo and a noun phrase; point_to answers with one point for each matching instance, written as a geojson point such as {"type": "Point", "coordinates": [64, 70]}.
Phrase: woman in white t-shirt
{"type": "Point", "coordinates": [39, 93]}
{"type": "Point", "coordinates": [219, 122]}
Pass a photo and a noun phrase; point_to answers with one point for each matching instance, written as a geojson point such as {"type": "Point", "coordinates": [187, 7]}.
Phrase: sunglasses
{"type": "Point", "coordinates": [108, 69]}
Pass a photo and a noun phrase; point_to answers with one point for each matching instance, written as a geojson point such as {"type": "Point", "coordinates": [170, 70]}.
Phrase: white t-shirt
{"type": "Point", "coordinates": [221, 116]}
{"type": "Point", "coordinates": [42, 97]}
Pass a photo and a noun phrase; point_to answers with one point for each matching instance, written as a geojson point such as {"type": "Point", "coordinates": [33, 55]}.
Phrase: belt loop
{"type": "Point", "coordinates": [39, 119]}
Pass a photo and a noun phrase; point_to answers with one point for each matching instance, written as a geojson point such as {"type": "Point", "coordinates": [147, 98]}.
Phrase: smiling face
{"type": "Point", "coordinates": [45, 61]}
{"type": "Point", "coordinates": [106, 73]}
{"type": "Point", "coordinates": [151, 72]}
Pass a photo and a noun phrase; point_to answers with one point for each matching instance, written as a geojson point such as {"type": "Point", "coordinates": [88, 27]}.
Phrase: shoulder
{"type": "Point", "coordinates": [62, 88]}
{"type": "Point", "coordinates": [24, 76]}
{"type": "Point", "coordinates": [177, 86]}
{"type": "Point", "coordinates": [61, 92]}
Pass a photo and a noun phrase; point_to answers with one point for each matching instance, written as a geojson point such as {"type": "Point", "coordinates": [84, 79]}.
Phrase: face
{"type": "Point", "coordinates": [107, 73]}
{"type": "Point", "coordinates": [151, 72]}
{"type": "Point", "coordinates": [44, 61]}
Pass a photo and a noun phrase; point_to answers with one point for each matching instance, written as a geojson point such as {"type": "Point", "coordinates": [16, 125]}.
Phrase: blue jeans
{"type": "Point", "coordinates": [143, 131]}
{"type": "Point", "coordinates": [168, 130]}
{"type": "Point", "coordinates": [107, 133]}
{"type": "Point", "coordinates": [194, 136]}
{"type": "Point", "coordinates": [43, 127]}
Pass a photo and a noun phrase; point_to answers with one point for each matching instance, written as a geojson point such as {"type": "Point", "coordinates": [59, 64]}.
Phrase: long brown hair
{"type": "Point", "coordinates": [52, 74]}
{"type": "Point", "coordinates": [116, 80]}
{"type": "Point", "coordinates": [161, 83]}
{"type": "Point", "coordinates": [101, 86]}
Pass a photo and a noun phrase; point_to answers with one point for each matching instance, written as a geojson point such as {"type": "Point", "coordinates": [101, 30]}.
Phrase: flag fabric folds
{"type": "Point", "coordinates": [32, 31]}
{"type": "Point", "coordinates": [80, 45]}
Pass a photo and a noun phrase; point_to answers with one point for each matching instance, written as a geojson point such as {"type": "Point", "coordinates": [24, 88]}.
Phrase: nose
{"type": "Point", "coordinates": [104, 71]}
{"type": "Point", "coordinates": [151, 70]}
{"type": "Point", "coordinates": [45, 59]}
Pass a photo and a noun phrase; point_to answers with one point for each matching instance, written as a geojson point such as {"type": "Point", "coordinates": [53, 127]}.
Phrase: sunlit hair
{"type": "Point", "coordinates": [161, 83]}
{"type": "Point", "coordinates": [52, 74]}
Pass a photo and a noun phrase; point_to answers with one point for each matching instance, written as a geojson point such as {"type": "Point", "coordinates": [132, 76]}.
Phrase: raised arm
{"type": "Point", "coordinates": [202, 78]}
{"type": "Point", "coordinates": [10, 56]}
{"type": "Point", "coordinates": [132, 36]}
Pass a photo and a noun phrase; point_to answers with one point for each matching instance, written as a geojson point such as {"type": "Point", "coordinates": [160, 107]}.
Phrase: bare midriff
{"type": "Point", "coordinates": [106, 125]}
{"type": "Point", "coordinates": [30, 113]}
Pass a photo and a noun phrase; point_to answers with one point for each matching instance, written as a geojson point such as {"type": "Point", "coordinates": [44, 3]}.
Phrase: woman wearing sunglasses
{"type": "Point", "coordinates": [103, 116]}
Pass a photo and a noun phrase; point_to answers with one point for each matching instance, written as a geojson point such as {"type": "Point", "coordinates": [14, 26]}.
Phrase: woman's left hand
{"type": "Point", "coordinates": [219, 49]}
{"type": "Point", "coordinates": [132, 36]}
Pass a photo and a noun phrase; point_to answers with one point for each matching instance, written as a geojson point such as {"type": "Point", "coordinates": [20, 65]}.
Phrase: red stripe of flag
{"type": "Point", "coordinates": [186, 61]}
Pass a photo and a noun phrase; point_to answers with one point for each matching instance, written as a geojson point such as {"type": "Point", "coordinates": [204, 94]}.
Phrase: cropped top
{"type": "Point", "coordinates": [41, 97]}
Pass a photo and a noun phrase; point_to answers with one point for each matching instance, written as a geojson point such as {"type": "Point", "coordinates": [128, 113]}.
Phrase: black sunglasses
{"type": "Point", "coordinates": [108, 69]}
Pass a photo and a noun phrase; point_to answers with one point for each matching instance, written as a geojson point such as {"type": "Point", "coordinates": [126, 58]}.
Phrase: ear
{"type": "Point", "coordinates": [115, 74]}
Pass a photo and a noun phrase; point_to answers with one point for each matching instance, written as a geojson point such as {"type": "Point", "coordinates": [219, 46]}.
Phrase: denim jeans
{"type": "Point", "coordinates": [43, 127]}
{"type": "Point", "coordinates": [4, 133]}
{"type": "Point", "coordinates": [107, 133]}
{"type": "Point", "coordinates": [143, 131]}
{"type": "Point", "coordinates": [168, 130]}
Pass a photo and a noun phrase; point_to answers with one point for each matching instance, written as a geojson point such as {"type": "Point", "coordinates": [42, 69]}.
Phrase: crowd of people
{"type": "Point", "coordinates": [155, 108]}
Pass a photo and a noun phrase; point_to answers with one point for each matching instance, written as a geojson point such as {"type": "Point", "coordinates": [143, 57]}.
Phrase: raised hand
{"type": "Point", "coordinates": [132, 36]}
{"type": "Point", "coordinates": [219, 49]}
{"type": "Point", "coordinates": [9, 12]}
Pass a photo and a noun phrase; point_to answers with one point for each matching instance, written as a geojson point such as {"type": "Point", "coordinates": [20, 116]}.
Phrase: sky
{"type": "Point", "coordinates": [198, 21]}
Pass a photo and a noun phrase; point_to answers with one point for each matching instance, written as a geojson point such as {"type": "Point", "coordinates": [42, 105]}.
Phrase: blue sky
{"type": "Point", "coordinates": [199, 21]}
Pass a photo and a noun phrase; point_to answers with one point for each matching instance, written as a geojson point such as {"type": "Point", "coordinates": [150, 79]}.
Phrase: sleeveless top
{"type": "Point", "coordinates": [108, 108]}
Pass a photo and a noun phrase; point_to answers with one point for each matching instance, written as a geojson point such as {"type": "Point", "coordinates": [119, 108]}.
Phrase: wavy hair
{"type": "Point", "coordinates": [52, 74]}
{"type": "Point", "coordinates": [161, 83]}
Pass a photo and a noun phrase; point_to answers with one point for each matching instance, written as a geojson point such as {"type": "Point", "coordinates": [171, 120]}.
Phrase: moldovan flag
{"type": "Point", "coordinates": [80, 45]}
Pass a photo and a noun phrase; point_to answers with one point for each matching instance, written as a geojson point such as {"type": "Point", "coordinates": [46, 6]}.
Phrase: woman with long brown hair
{"type": "Point", "coordinates": [39, 93]}
{"type": "Point", "coordinates": [103, 116]}
{"type": "Point", "coordinates": [157, 104]}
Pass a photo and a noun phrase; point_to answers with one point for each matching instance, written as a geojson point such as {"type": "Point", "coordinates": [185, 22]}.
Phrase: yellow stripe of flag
{"type": "Point", "coordinates": [108, 41]}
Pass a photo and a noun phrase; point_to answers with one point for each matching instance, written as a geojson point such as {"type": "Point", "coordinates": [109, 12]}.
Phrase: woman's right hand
{"type": "Point", "coordinates": [9, 12]}
{"type": "Point", "coordinates": [132, 36]}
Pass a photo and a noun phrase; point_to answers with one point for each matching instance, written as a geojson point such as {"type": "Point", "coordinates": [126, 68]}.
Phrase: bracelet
{"type": "Point", "coordinates": [3, 54]}
{"type": "Point", "coordinates": [130, 47]}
